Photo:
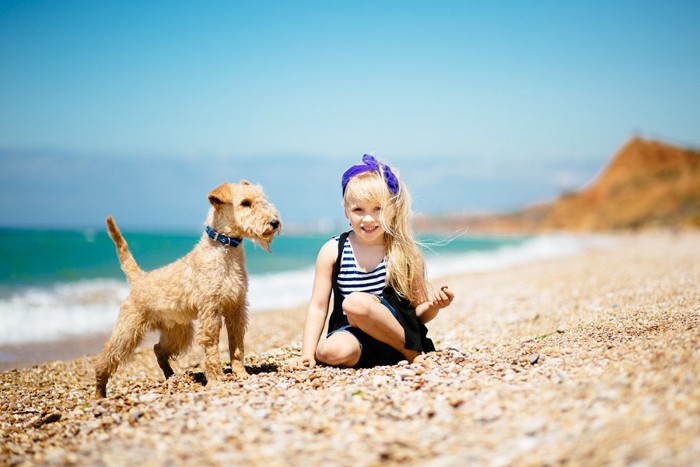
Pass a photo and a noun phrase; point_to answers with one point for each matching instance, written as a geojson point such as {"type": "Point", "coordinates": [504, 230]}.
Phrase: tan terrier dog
{"type": "Point", "coordinates": [208, 284]}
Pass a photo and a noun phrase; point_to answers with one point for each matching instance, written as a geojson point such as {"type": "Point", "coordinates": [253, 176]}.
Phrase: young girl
{"type": "Point", "coordinates": [377, 276]}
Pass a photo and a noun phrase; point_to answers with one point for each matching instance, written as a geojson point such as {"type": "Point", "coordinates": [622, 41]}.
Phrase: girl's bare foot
{"type": "Point", "coordinates": [420, 358]}
{"type": "Point", "coordinates": [411, 355]}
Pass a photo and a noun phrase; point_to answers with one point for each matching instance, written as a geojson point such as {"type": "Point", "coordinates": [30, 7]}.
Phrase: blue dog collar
{"type": "Point", "coordinates": [223, 239]}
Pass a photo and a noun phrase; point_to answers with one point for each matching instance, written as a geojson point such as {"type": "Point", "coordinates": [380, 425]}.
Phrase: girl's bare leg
{"type": "Point", "coordinates": [339, 349]}
{"type": "Point", "coordinates": [366, 312]}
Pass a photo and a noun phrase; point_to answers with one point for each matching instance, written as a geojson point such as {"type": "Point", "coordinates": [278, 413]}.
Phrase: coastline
{"type": "Point", "coordinates": [590, 359]}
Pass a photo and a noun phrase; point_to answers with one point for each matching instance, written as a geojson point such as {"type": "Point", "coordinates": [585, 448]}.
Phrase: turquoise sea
{"type": "Point", "coordinates": [57, 283]}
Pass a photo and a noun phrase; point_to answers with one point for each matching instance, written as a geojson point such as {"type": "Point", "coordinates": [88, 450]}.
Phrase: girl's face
{"type": "Point", "coordinates": [365, 219]}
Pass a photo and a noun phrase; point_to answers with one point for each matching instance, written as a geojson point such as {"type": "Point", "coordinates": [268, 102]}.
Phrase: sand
{"type": "Point", "coordinates": [587, 360]}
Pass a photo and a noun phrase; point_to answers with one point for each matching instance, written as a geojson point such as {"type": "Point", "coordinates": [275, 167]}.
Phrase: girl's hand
{"type": "Point", "coordinates": [430, 308]}
{"type": "Point", "coordinates": [300, 363]}
{"type": "Point", "coordinates": [442, 297]}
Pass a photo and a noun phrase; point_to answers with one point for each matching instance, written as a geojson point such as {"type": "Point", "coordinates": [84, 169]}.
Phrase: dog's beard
{"type": "Point", "coordinates": [266, 237]}
{"type": "Point", "coordinates": [265, 242]}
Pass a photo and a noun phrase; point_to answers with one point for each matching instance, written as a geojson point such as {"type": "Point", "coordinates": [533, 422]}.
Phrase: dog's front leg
{"type": "Point", "coordinates": [236, 323]}
{"type": "Point", "coordinates": [208, 337]}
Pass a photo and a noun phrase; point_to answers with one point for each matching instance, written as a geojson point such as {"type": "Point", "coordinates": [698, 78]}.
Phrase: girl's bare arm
{"type": "Point", "coordinates": [430, 308]}
{"type": "Point", "coordinates": [318, 305]}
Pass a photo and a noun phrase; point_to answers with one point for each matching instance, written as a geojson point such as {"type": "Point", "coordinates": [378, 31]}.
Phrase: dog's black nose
{"type": "Point", "coordinates": [275, 223]}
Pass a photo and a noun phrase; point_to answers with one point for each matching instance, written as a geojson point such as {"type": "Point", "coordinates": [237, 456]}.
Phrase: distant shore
{"type": "Point", "coordinates": [592, 359]}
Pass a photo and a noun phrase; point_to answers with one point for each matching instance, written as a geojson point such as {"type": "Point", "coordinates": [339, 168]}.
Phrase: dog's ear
{"type": "Point", "coordinates": [220, 195]}
{"type": "Point", "coordinates": [245, 182]}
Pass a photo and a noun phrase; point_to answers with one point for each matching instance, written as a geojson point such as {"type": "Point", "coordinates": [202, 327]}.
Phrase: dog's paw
{"type": "Point", "coordinates": [239, 374]}
{"type": "Point", "coordinates": [238, 371]}
{"type": "Point", "coordinates": [214, 377]}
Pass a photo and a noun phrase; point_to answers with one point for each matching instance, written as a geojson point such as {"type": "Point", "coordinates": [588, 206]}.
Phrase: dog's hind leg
{"type": "Point", "coordinates": [128, 333]}
{"type": "Point", "coordinates": [173, 341]}
{"type": "Point", "coordinates": [236, 323]}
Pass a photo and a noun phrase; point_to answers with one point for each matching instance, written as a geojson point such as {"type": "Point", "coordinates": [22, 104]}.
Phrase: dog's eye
{"type": "Point", "coordinates": [246, 203]}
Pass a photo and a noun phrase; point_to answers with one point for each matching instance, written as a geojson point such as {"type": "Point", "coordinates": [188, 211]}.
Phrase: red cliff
{"type": "Point", "coordinates": [646, 184]}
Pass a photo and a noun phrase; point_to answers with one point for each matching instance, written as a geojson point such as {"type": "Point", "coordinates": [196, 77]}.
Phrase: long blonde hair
{"type": "Point", "coordinates": [404, 261]}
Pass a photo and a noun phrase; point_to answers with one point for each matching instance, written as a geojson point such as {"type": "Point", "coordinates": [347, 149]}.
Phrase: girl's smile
{"type": "Point", "coordinates": [365, 220]}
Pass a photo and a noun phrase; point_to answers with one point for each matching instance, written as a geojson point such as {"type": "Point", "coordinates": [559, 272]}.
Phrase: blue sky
{"type": "Point", "coordinates": [482, 105]}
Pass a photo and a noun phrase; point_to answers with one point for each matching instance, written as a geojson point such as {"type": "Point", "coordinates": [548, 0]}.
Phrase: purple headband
{"type": "Point", "coordinates": [371, 164]}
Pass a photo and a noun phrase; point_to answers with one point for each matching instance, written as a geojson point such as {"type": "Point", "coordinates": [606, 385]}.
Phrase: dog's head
{"type": "Point", "coordinates": [242, 210]}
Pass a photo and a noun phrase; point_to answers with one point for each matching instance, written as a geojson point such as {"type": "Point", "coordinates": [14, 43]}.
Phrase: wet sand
{"type": "Point", "coordinates": [25, 355]}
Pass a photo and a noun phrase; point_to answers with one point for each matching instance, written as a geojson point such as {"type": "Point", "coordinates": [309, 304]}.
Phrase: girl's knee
{"type": "Point", "coordinates": [357, 305]}
{"type": "Point", "coordinates": [338, 351]}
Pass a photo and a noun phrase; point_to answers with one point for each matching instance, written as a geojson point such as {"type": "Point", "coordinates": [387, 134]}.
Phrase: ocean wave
{"type": "Point", "coordinates": [534, 249]}
{"type": "Point", "coordinates": [91, 306]}
{"type": "Point", "coordinates": [35, 314]}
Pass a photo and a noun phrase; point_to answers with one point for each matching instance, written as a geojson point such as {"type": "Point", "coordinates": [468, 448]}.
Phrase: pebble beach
{"type": "Point", "coordinates": [592, 359]}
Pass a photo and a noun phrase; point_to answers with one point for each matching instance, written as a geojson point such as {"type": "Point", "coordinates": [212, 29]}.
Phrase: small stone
{"type": "Point", "coordinates": [380, 380]}
{"type": "Point", "coordinates": [534, 358]}
{"type": "Point", "coordinates": [149, 397]}
{"type": "Point", "coordinates": [488, 414]}
{"type": "Point", "coordinates": [455, 401]}
{"type": "Point", "coordinates": [533, 425]}
{"type": "Point", "coordinates": [134, 417]}
{"type": "Point", "coordinates": [50, 418]}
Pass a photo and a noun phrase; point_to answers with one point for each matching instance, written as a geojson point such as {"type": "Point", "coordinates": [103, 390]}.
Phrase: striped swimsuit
{"type": "Point", "coordinates": [346, 279]}
{"type": "Point", "coordinates": [351, 279]}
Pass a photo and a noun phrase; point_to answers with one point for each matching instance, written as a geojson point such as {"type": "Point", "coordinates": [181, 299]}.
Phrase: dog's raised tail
{"type": "Point", "coordinates": [128, 263]}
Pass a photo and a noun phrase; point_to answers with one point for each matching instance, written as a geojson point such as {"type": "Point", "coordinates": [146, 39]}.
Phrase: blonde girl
{"type": "Point", "coordinates": [376, 275]}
